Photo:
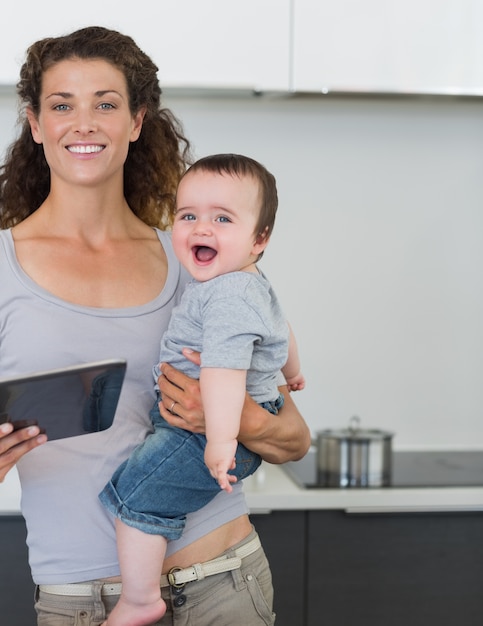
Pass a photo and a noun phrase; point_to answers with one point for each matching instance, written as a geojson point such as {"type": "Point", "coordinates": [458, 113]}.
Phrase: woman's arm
{"type": "Point", "coordinates": [276, 438]}
{"type": "Point", "coordinates": [14, 444]}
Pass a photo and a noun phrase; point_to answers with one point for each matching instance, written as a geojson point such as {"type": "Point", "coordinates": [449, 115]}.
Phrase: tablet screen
{"type": "Point", "coordinates": [66, 402]}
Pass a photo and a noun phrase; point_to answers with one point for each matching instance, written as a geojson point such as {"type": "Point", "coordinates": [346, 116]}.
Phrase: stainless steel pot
{"type": "Point", "coordinates": [354, 457]}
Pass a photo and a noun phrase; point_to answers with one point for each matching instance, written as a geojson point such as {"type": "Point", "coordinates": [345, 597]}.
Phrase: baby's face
{"type": "Point", "coordinates": [214, 226]}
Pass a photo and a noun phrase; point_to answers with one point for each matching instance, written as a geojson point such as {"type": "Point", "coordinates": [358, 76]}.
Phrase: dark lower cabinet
{"type": "Point", "coordinates": [417, 569]}
{"type": "Point", "coordinates": [16, 586]}
{"type": "Point", "coordinates": [395, 569]}
{"type": "Point", "coordinates": [283, 537]}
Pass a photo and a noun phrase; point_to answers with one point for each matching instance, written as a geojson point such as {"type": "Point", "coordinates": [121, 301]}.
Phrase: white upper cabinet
{"type": "Point", "coordinates": [400, 46]}
{"type": "Point", "coordinates": [195, 43]}
{"type": "Point", "coordinates": [224, 44]}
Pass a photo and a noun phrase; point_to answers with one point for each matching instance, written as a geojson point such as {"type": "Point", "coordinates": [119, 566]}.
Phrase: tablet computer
{"type": "Point", "coordinates": [65, 402]}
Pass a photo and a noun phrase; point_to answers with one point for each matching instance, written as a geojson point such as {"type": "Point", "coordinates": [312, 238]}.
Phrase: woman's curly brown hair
{"type": "Point", "coordinates": [155, 162]}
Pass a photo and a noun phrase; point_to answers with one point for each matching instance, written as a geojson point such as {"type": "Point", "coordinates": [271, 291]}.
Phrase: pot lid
{"type": "Point", "coordinates": [355, 432]}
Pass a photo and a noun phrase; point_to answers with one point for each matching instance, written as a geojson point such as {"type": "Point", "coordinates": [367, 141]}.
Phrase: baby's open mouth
{"type": "Point", "coordinates": [204, 253]}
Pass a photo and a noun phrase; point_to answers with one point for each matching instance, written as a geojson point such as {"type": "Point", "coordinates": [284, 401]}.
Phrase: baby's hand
{"type": "Point", "coordinates": [225, 480]}
{"type": "Point", "coordinates": [296, 383]}
{"type": "Point", "coordinates": [219, 458]}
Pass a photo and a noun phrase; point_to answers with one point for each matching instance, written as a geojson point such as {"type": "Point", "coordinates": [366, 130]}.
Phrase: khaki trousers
{"type": "Point", "coordinates": [242, 597]}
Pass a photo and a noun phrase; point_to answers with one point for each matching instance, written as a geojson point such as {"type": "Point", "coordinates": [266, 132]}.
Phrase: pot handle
{"type": "Point", "coordinates": [354, 424]}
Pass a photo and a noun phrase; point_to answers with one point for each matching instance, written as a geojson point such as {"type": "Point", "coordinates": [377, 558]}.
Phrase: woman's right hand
{"type": "Point", "coordinates": [14, 444]}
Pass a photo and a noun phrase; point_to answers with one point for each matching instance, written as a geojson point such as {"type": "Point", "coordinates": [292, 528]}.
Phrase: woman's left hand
{"type": "Point", "coordinates": [276, 438]}
{"type": "Point", "coordinates": [181, 399]}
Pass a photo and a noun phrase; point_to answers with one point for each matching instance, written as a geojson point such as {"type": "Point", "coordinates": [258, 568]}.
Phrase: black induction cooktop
{"type": "Point", "coordinates": [412, 468]}
{"type": "Point", "coordinates": [448, 468]}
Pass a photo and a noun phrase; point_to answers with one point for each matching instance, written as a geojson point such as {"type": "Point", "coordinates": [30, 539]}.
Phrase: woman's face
{"type": "Point", "coordinates": [85, 124]}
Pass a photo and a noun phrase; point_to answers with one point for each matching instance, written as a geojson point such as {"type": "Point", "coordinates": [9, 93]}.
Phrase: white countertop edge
{"type": "Point", "coordinates": [10, 494]}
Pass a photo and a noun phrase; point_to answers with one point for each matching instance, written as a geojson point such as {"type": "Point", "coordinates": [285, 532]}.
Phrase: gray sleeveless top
{"type": "Point", "coordinates": [71, 537]}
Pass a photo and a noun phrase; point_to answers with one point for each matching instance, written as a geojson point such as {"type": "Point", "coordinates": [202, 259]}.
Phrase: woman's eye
{"type": "Point", "coordinates": [106, 106]}
{"type": "Point", "coordinates": [61, 107]}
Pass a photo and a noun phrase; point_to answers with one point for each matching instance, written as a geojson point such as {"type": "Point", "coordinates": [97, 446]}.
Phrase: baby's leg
{"type": "Point", "coordinates": [141, 558]}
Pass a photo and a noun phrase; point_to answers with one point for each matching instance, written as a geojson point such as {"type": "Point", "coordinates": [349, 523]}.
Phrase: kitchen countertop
{"type": "Point", "coordinates": [271, 489]}
{"type": "Point", "coordinates": [10, 494]}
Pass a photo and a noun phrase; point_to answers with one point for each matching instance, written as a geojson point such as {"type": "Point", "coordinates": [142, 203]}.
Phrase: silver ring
{"type": "Point", "coordinates": [172, 406]}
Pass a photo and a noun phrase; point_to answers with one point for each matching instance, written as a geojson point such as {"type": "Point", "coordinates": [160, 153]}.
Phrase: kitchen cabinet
{"type": "Point", "coordinates": [398, 569]}
{"type": "Point", "coordinates": [411, 46]}
{"type": "Point", "coordinates": [16, 586]}
{"type": "Point", "coordinates": [375, 569]}
{"type": "Point", "coordinates": [209, 44]}
{"type": "Point", "coordinates": [219, 44]}
{"type": "Point", "coordinates": [284, 541]}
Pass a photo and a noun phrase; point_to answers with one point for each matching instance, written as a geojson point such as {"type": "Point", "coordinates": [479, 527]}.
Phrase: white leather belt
{"type": "Point", "coordinates": [176, 577]}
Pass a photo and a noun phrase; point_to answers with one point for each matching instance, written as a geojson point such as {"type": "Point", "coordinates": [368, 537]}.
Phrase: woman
{"type": "Point", "coordinates": [88, 273]}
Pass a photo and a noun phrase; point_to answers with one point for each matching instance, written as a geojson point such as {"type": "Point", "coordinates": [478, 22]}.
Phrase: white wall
{"type": "Point", "coordinates": [377, 254]}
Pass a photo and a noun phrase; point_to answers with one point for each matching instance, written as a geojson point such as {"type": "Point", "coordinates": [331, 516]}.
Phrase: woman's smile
{"type": "Point", "coordinates": [83, 149]}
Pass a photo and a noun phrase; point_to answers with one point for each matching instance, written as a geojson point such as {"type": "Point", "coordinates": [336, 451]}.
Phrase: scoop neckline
{"type": "Point", "coordinates": [166, 294]}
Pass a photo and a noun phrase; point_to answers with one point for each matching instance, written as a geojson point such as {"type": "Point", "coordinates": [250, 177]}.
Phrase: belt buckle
{"type": "Point", "coordinates": [177, 587]}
